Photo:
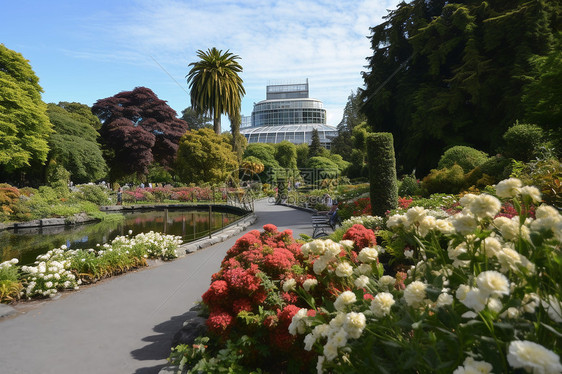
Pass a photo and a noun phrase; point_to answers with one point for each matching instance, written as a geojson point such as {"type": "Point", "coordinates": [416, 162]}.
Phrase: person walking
{"type": "Point", "coordinates": [119, 196]}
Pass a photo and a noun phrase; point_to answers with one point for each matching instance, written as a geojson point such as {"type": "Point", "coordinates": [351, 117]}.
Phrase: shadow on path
{"type": "Point", "coordinates": [160, 343]}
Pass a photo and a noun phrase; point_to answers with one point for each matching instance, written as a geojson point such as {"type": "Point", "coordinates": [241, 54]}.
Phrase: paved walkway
{"type": "Point", "coordinates": [124, 324]}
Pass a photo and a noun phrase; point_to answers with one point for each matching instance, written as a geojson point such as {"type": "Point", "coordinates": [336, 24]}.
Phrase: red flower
{"type": "Point", "coordinates": [280, 261]}
{"type": "Point", "coordinates": [361, 237]}
{"type": "Point", "coordinates": [242, 305]}
{"type": "Point", "coordinates": [270, 228]}
{"type": "Point", "coordinates": [289, 297]}
{"type": "Point", "coordinates": [219, 322]}
{"type": "Point", "coordinates": [368, 296]}
{"type": "Point", "coordinates": [217, 293]}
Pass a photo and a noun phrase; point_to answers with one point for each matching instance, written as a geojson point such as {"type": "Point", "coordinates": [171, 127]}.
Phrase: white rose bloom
{"type": "Point", "coordinates": [444, 299]}
{"type": "Point", "coordinates": [364, 269]}
{"type": "Point", "coordinates": [455, 252]}
{"type": "Point", "coordinates": [309, 283]}
{"type": "Point", "coordinates": [533, 357]}
{"type": "Point", "coordinates": [408, 253]}
{"type": "Point", "coordinates": [494, 305]}
{"type": "Point", "coordinates": [381, 304]}
{"type": "Point", "coordinates": [474, 367]}
{"type": "Point", "coordinates": [344, 270]}
{"type": "Point", "coordinates": [492, 283]}
{"type": "Point", "coordinates": [485, 206]}
{"type": "Point", "coordinates": [415, 215]}
{"type": "Point", "coordinates": [491, 246]}
{"type": "Point", "coordinates": [474, 300]}
{"type": "Point", "coordinates": [554, 308]}
{"type": "Point", "coordinates": [330, 351]}
{"type": "Point", "coordinates": [339, 339]}
{"type": "Point", "coordinates": [321, 330]}
{"type": "Point", "coordinates": [354, 324]}
{"type": "Point", "coordinates": [427, 224]}
{"type": "Point", "coordinates": [347, 244]}
{"type": "Point", "coordinates": [530, 302]}
{"type": "Point", "coordinates": [319, 265]}
{"type": "Point", "coordinates": [396, 220]}
{"type": "Point", "coordinates": [309, 341]}
{"type": "Point", "coordinates": [333, 249]}
{"type": "Point", "coordinates": [368, 255]}
{"type": "Point", "coordinates": [533, 192]}
{"type": "Point", "coordinates": [509, 259]}
{"type": "Point", "coordinates": [467, 199]}
{"type": "Point", "coordinates": [511, 312]}
{"type": "Point", "coordinates": [289, 285]}
{"type": "Point", "coordinates": [508, 187]}
{"type": "Point", "coordinates": [49, 284]}
{"type": "Point", "coordinates": [509, 228]}
{"type": "Point", "coordinates": [297, 324]}
{"type": "Point", "coordinates": [362, 281]}
{"type": "Point", "coordinates": [464, 223]}
{"type": "Point", "coordinates": [386, 281]}
{"type": "Point", "coordinates": [320, 364]}
{"type": "Point", "coordinates": [414, 294]}
{"type": "Point", "coordinates": [444, 226]}
{"type": "Point", "coordinates": [345, 298]}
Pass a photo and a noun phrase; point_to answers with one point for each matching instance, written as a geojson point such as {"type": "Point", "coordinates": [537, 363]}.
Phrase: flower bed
{"type": "Point", "coordinates": [64, 269]}
{"type": "Point", "coordinates": [472, 292]}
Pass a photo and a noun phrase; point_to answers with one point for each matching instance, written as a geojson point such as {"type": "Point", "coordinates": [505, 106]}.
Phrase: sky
{"type": "Point", "coordinates": [84, 50]}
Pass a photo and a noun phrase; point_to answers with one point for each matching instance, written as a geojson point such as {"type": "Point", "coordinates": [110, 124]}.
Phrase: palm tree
{"type": "Point", "coordinates": [215, 85]}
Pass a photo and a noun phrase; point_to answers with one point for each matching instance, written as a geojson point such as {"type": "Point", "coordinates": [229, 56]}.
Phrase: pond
{"type": "Point", "coordinates": [26, 244]}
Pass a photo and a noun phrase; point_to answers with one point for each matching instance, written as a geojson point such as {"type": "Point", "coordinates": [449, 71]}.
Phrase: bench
{"type": "Point", "coordinates": [319, 223]}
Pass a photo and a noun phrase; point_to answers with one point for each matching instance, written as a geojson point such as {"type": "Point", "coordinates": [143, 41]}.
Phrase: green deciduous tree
{"type": "Point", "coordinates": [205, 157]}
{"type": "Point", "coordinates": [196, 120]}
{"type": "Point", "coordinates": [24, 125]}
{"type": "Point", "coordinates": [266, 154]}
{"type": "Point", "coordinates": [466, 66]}
{"type": "Point", "coordinates": [215, 85]}
{"type": "Point", "coordinates": [74, 144]}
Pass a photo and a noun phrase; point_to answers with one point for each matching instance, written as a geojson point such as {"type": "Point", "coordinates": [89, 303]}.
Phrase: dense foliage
{"type": "Point", "coordinates": [205, 157]}
{"type": "Point", "coordinates": [74, 145]}
{"type": "Point", "coordinates": [215, 85]}
{"type": "Point", "coordinates": [24, 125]}
{"type": "Point", "coordinates": [382, 173]}
{"type": "Point", "coordinates": [138, 129]}
{"type": "Point", "coordinates": [466, 67]}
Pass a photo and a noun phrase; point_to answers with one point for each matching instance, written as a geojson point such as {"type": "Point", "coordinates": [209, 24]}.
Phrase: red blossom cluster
{"type": "Point", "coordinates": [404, 202]}
{"type": "Point", "coordinates": [361, 237]}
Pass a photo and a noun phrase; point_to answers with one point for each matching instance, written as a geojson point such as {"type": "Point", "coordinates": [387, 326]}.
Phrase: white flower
{"type": "Point", "coordinates": [427, 224]}
{"type": "Point", "coordinates": [347, 244]}
{"type": "Point", "coordinates": [345, 298]}
{"type": "Point", "coordinates": [386, 281]}
{"type": "Point", "coordinates": [354, 324]}
{"type": "Point", "coordinates": [368, 255]}
{"type": "Point", "coordinates": [414, 294]}
{"type": "Point", "coordinates": [408, 253]}
{"type": "Point", "coordinates": [344, 270]}
{"type": "Point", "coordinates": [494, 304]}
{"type": "Point", "coordinates": [319, 364]}
{"type": "Point", "coordinates": [309, 283]}
{"type": "Point", "coordinates": [319, 265]}
{"type": "Point", "coordinates": [467, 199]}
{"type": "Point", "coordinates": [533, 357]}
{"type": "Point", "coordinates": [532, 192]}
{"type": "Point", "coordinates": [396, 220]}
{"type": "Point", "coordinates": [381, 304]}
{"type": "Point", "coordinates": [444, 299]}
{"type": "Point", "coordinates": [464, 223]}
{"type": "Point", "coordinates": [330, 351]}
{"type": "Point", "coordinates": [290, 285]}
{"type": "Point", "coordinates": [492, 246]}
{"type": "Point", "coordinates": [362, 281]}
{"type": "Point", "coordinates": [364, 269]}
{"type": "Point", "coordinates": [511, 312]}
{"type": "Point", "coordinates": [474, 367]}
{"type": "Point", "coordinates": [553, 308]}
{"type": "Point", "coordinates": [49, 284]}
{"type": "Point", "coordinates": [309, 341]}
{"type": "Point", "coordinates": [530, 302]}
{"type": "Point", "coordinates": [444, 226]}
{"type": "Point", "coordinates": [415, 215]}
{"type": "Point", "coordinates": [508, 187]}
{"type": "Point", "coordinates": [492, 283]}
{"type": "Point", "coordinates": [339, 338]}
{"type": "Point", "coordinates": [321, 330]}
{"type": "Point", "coordinates": [485, 206]}
{"type": "Point", "coordinates": [473, 299]}
{"type": "Point", "coordinates": [297, 324]}
{"type": "Point", "coordinates": [455, 252]}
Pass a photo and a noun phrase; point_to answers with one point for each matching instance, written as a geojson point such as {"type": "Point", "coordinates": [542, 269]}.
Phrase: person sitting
{"type": "Point", "coordinates": [333, 214]}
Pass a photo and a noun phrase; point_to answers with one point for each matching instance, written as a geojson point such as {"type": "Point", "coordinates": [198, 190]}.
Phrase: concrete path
{"type": "Point", "coordinates": [124, 324]}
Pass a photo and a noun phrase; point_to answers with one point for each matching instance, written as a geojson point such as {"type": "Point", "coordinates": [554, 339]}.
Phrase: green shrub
{"type": "Point", "coordinates": [447, 180]}
{"type": "Point", "coordinates": [382, 173]}
{"type": "Point", "coordinates": [93, 193]}
{"type": "Point", "coordinates": [468, 158]}
{"type": "Point", "coordinates": [409, 186]}
{"type": "Point", "coordinates": [522, 141]}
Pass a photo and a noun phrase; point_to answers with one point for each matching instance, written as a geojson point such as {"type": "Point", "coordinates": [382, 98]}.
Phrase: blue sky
{"type": "Point", "coordinates": [85, 50]}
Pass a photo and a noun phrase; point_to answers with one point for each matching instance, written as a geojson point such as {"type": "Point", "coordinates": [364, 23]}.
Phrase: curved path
{"type": "Point", "coordinates": [124, 324]}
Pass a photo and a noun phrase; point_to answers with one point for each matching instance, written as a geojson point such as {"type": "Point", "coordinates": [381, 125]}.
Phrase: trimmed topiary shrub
{"type": "Point", "coordinates": [382, 173]}
{"type": "Point", "coordinates": [446, 180]}
{"type": "Point", "coordinates": [409, 186]}
{"type": "Point", "coordinates": [468, 158]}
{"type": "Point", "coordinates": [522, 141]}
{"type": "Point", "coordinates": [492, 171]}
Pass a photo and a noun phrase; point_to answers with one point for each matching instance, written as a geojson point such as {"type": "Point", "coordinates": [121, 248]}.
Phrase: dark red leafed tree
{"type": "Point", "coordinates": [138, 129]}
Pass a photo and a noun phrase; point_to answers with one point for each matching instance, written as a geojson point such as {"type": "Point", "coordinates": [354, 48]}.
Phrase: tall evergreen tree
{"type": "Point", "coordinates": [315, 147]}
{"type": "Point", "coordinates": [467, 63]}
{"type": "Point", "coordinates": [352, 117]}
{"type": "Point", "coordinates": [215, 84]}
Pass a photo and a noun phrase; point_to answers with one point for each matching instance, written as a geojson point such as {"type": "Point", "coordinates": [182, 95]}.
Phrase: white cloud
{"type": "Point", "coordinates": [288, 40]}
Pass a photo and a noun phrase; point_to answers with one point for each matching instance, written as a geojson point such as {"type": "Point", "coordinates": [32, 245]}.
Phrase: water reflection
{"type": "Point", "coordinates": [27, 244]}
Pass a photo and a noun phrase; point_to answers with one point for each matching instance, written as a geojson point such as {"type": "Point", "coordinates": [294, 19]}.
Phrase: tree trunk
{"type": "Point", "coordinates": [217, 124]}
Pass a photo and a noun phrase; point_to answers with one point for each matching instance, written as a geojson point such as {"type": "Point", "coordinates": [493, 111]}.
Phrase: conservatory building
{"type": "Point", "coordinates": [287, 114]}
